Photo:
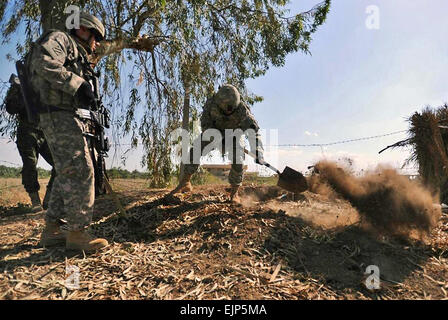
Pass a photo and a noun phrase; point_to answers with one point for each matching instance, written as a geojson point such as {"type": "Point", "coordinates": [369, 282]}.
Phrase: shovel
{"type": "Point", "coordinates": [290, 179]}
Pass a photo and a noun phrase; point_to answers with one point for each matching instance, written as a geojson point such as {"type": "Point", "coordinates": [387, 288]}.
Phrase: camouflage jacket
{"type": "Point", "coordinates": [56, 69]}
{"type": "Point", "coordinates": [15, 105]}
{"type": "Point", "coordinates": [213, 118]}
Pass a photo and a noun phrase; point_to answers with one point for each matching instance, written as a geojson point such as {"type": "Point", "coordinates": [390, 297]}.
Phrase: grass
{"type": "Point", "coordinates": [12, 192]}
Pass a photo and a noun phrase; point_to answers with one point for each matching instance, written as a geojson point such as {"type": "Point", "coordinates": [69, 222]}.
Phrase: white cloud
{"type": "Point", "coordinates": [314, 134]}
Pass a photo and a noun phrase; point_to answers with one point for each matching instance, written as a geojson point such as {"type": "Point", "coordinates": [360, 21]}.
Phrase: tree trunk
{"type": "Point", "coordinates": [108, 47]}
{"type": "Point", "coordinates": [185, 120]}
{"type": "Point", "coordinates": [52, 14]}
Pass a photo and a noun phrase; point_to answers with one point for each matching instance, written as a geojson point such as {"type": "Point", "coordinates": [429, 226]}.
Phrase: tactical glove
{"type": "Point", "coordinates": [85, 94]}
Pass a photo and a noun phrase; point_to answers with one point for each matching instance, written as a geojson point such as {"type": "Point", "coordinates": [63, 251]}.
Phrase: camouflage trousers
{"type": "Point", "coordinates": [31, 143]}
{"type": "Point", "coordinates": [237, 157]}
{"type": "Point", "coordinates": [73, 193]}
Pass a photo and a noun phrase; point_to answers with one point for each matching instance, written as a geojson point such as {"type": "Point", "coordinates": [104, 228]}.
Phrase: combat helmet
{"type": "Point", "coordinates": [93, 24]}
{"type": "Point", "coordinates": [227, 98]}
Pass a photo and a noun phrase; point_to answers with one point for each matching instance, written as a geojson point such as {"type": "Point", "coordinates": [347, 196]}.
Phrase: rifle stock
{"type": "Point", "coordinates": [29, 97]}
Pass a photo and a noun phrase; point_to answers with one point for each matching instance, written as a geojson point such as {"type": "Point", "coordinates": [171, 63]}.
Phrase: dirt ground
{"type": "Point", "coordinates": [200, 246]}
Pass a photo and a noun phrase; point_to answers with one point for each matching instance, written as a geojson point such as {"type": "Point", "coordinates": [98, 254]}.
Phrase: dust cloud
{"type": "Point", "coordinates": [386, 201]}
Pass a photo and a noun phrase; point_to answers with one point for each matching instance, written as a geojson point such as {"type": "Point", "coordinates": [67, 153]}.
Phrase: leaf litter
{"type": "Point", "coordinates": [203, 247]}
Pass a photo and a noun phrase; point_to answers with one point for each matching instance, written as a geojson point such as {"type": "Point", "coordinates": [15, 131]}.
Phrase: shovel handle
{"type": "Point", "coordinates": [261, 162]}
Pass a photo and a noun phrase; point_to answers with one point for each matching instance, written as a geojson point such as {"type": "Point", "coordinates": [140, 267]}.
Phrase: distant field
{"type": "Point", "coordinates": [13, 193]}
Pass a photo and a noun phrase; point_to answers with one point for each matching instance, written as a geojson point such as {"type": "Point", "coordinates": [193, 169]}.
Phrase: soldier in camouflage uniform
{"type": "Point", "coordinates": [57, 68]}
{"type": "Point", "coordinates": [30, 143]}
{"type": "Point", "coordinates": [225, 110]}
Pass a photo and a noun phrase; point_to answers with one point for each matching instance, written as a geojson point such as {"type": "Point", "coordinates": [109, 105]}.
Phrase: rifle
{"type": "Point", "coordinates": [30, 99]}
{"type": "Point", "coordinates": [99, 145]}
{"type": "Point", "coordinates": [100, 117]}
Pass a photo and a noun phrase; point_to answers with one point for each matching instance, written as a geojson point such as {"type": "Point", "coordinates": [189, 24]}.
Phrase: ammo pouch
{"type": "Point", "coordinates": [89, 126]}
{"type": "Point", "coordinates": [94, 122]}
{"type": "Point", "coordinates": [83, 114]}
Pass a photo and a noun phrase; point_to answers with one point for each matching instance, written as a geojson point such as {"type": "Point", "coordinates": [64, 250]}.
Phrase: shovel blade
{"type": "Point", "coordinates": [292, 181]}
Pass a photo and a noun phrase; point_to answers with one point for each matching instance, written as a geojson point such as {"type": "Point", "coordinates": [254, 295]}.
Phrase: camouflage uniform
{"type": "Point", "coordinates": [30, 142]}
{"type": "Point", "coordinates": [213, 118]}
{"type": "Point", "coordinates": [56, 68]}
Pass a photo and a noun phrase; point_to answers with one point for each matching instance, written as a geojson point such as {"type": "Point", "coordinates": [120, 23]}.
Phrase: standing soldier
{"type": "Point", "coordinates": [30, 143]}
{"type": "Point", "coordinates": [222, 111]}
{"type": "Point", "coordinates": [58, 68]}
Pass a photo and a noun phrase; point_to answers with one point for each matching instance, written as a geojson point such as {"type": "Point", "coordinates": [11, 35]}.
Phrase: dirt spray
{"type": "Point", "coordinates": [387, 201]}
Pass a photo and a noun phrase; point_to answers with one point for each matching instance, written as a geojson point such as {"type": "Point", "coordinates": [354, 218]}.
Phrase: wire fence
{"type": "Point", "coordinates": [278, 145]}
{"type": "Point", "coordinates": [321, 145]}
{"type": "Point", "coordinates": [313, 144]}
{"type": "Point", "coordinates": [339, 142]}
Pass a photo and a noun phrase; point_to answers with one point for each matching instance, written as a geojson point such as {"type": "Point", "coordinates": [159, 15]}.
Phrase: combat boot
{"type": "Point", "coordinates": [184, 185]}
{"type": "Point", "coordinates": [234, 197]}
{"type": "Point", "coordinates": [36, 205]}
{"type": "Point", "coordinates": [52, 235]}
{"type": "Point", "coordinates": [81, 240]}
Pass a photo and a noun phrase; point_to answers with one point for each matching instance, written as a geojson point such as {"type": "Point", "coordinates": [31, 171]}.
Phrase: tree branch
{"type": "Point", "coordinates": [143, 43]}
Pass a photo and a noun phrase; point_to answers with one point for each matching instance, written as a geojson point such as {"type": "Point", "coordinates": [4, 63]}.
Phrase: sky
{"type": "Point", "coordinates": [372, 65]}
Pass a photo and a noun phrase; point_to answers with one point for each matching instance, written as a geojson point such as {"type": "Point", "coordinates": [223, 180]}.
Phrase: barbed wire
{"type": "Point", "coordinates": [338, 142]}
{"type": "Point", "coordinates": [313, 144]}
{"type": "Point", "coordinates": [282, 145]}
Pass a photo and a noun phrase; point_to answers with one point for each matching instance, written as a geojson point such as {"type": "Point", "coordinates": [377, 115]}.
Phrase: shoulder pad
{"type": "Point", "coordinates": [59, 45]}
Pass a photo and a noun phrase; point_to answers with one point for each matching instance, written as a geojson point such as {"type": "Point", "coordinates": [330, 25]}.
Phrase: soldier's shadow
{"type": "Point", "coordinates": [340, 258]}
{"type": "Point", "coordinates": [27, 252]}
{"type": "Point", "coordinates": [141, 224]}
{"type": "Point", "coordinates": [18, 212]}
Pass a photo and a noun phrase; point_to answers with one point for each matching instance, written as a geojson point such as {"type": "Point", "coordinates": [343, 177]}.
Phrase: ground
{"type": "Point", "coordinates": [200, 246]}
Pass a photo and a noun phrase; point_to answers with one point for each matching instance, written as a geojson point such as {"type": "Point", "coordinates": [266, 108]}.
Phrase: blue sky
{"type": "Point", "coordinates": [358, 82]}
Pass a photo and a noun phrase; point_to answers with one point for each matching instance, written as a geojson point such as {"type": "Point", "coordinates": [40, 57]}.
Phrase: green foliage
{"type": "Point", "coordinates": [9, 172]}
{"type": "Point", "coordinates": [114, 173]}
{"type": "Point", "coordinates": [118, 173]}
{"type": "Point", "coordinates": [204, 44]}
{"type": "Point", "coordinates": [253, 178]}
{"type": "Point", "coordinates": [8, 123]}
{"type": "Point", "coordinates": [203, 177]}
{"type": "Point", "coordinates": [16, 172]}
